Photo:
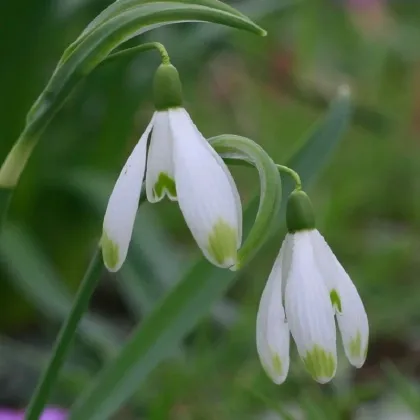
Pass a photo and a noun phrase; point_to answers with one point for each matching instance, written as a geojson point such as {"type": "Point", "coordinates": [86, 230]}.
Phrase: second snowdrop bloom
{"type": "Point", "coordinates": [177, 162]}
{"type": "Point", "coordinates": [315, 289]}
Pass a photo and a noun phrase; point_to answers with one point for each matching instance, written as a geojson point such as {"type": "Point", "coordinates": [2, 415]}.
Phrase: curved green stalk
{"type": "Point", "coordinates": [293, 174]}
{"type": "Point", "coordinates": [65, 338]}
{"type": "Point", "coordinates": [237, 147]}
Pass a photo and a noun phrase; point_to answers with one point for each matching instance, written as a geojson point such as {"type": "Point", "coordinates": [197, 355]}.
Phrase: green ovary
{"type": "Point", "coordinates": [110, 251]}
{"type": "Point", "coordinates": [320, 363]}
{"type": "Point", "coordinates": [355, 347]}
{"type": "Point", "coordinates": [335, 300]}
{"type": "Point", "coordinates": [222, 243]}
{"type": "Point", "coordinates": [164, 183]}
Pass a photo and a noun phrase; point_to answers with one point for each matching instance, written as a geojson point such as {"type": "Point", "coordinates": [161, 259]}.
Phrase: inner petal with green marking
{"type": "Point", "coordinates": [320, 363]}
{"type": "Point", "coordinates": [335, 300]}
{"type": "Point", "coordinates": [223, 243]}
{"type": "Point", "coordinates": [110, 251]}
{"type": "Point", "coordinates": [164, 184]}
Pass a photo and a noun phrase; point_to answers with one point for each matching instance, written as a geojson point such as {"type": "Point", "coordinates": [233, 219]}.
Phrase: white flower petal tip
{"type": "Point", "coordinates": [110, 254]}
{"type": "Point", "coordinates": [276, 368]}
{"type": "Point", "coordinates": [222, 243]}
{"type": "Point", "coordinates": [356, 350]}
{"type": "Point", "coordinates": [320, 363]}
{"type": "Point", "coordinates": [207, 195]}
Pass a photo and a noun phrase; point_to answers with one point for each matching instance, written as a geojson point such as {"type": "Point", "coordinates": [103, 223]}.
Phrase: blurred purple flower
{"type": "Point", "coordinates": [49, 414]}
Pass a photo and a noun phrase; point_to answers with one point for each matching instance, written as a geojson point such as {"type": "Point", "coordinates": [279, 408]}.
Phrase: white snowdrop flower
{"type": "Point", "coordinates": [179, 163]}
{"type": "Point", "coordinates": [315, 289]}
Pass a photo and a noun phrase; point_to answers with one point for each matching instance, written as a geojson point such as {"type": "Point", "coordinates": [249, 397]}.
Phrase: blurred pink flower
{"type": "Point", "coordinates": [51, 413]}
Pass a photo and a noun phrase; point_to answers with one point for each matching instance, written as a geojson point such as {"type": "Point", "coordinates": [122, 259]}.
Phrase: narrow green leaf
{"type": "Point", "coordinates": [35, 277]}
{"type": "Point", "coordinates": [407, 390]}
{"type": "Point", "coordinates": [190, 300]}
{"type": "Point", "coordinates": [125, 5]}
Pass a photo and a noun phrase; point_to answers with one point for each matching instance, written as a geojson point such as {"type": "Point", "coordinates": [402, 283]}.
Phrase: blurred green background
{"type": "Point", "coordinates": [272, 90]}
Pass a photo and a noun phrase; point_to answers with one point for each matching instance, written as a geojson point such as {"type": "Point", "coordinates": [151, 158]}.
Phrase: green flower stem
{"type": "Point", "coordinates": [139, 48]}
{"type": "Point", "coordinates": [65, 337]}
{"type": "Point", "coordinates": [237, 147]}
{"type": "Point", "coordinates": [293, 174]}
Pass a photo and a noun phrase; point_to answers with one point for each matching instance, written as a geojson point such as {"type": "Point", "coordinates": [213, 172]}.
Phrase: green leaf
{"type": "Point", "coordinates": [34, 276]}
{"type": "Point", "coordinates": [407, 390]}
{"type": "Point", "coordinates": [190, 300]}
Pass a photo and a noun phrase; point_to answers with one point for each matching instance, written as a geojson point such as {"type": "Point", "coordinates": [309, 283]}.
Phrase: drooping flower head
{"type": "Point", "coordinates": [315, 290]}
{"type": "Point", "coordinates": [176, 161]}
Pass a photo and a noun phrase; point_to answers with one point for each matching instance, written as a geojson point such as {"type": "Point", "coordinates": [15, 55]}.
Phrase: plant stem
{"type": "Point", "coordinates": [65, 338]}
{"type": "Point", "coordinates": [291, 173]}
{"type": "Point", "coordinates": [139, 48]}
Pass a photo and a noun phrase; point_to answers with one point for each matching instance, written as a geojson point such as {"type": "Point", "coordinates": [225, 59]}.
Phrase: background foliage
{"type": "Point", "coordinates": [272, 90]}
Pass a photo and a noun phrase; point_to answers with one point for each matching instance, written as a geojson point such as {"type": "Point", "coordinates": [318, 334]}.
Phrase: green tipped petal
{"type": "Point", "coordinates": [164, 184]}
{"type": "Point", "coordinates": [223, 243]}
{"type": "Point", "coordinates": [277, 365]}
{"type": "Point", "coordinates": [320, 364]}
{"type": "Point", "coordinates": [110, 252]}
{"type": "Point", "coordinates": [355, 347]}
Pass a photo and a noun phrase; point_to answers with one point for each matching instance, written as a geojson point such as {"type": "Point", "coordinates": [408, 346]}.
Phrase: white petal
{"type": "Point", "coordinates": [309, 311]}
{"type": "Point", "coordinates": [207, 197]}
{"type": "Point", "coordinates": [351, 315]}
{"type": "Point", "coordinates": [273, 336]}
{"type": "Point", "coordinates": [229, 177]}
{"type": "Point", "coordinates": [160, 168]}
{"type": "Point", "coordinates": [122, 206]}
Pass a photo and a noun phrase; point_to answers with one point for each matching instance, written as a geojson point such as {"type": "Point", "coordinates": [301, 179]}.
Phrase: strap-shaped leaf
{"type": "Point", "coordinates": [103, 39]}
{"type": "Point", "coordinates": [192, 297]}
{"type": "Point", "coordinates": [125, 5]}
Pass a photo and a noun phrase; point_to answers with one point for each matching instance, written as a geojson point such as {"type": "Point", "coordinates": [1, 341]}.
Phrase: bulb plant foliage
{"type": "Point", "coordinates": [308, 290]}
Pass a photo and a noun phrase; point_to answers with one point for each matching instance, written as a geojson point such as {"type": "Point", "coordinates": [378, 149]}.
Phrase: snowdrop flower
{"type": "Point", "coordinates": [315, 290]}
{"type": "Point", "coordinates": [180, 164]}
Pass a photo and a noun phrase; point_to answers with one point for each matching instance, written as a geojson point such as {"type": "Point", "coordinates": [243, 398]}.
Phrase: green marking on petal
{"type": "Point", "coordinates": [222, 243]}
{"type": "Point", "coordinates": [277, 365]}
{"type": "Point", "coordinates": [110, 251]}
{"type": "Point", "coordinates": [335, 300]}
{"type": "Point", "coordinates": [164, 183]}
{"type": "Point", "coordinates": [320, 363]}
{"type": "Point", "coordinates": [355, 346]}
